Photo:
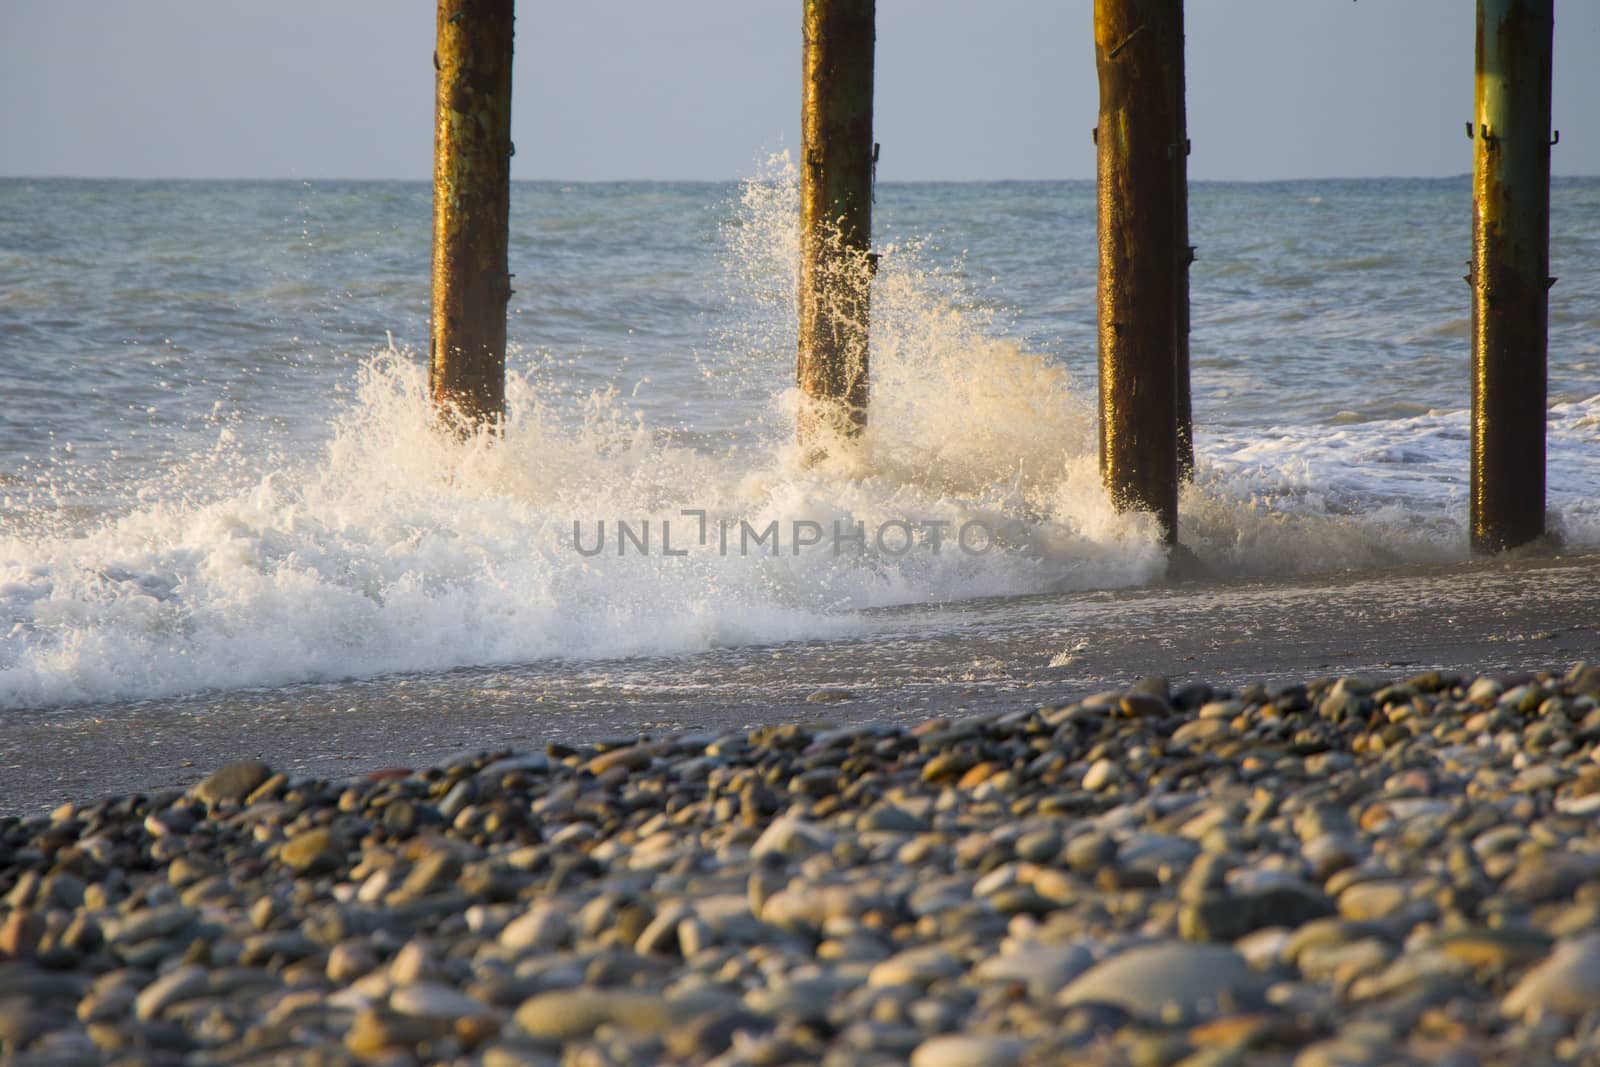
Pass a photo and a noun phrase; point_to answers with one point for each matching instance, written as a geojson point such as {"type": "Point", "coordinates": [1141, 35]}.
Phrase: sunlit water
{"type": "Point", "coordinates": [216, 468]}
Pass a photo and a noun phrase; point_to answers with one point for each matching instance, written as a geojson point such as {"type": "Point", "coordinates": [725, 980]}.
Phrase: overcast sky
{"type": "Point", "coordinates": [706, 88]}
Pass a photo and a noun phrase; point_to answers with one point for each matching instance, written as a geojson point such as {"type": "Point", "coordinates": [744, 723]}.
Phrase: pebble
{"type": "Point", "coordinates": [569, 1014]}
{"type": "Point", "coordinates": [1045, 969]}
{"type": "Point", "coordinates": [233, 783]}
{"type": "Point", "coordinates": [1565, 984]}
{"type": "Point", "coordinates": [312, 852]}
{"type": "Point", "coordinates": [430, 1000]}
{"type": "Point", "coordinates": [1146, 979]}
{"type": "Point", "coordinates": [176, 985]}
{"type": "Point", "coordinates": [961, 1050]}
{"type": "Point", "coordinates": [915, 967]}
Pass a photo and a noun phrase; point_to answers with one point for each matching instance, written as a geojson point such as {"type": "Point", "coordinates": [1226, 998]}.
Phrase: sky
{"type": "Point", "coordinates": [707, 89]}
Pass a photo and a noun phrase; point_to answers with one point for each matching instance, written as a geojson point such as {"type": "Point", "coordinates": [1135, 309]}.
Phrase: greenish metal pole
{"type": "Point", "coordinates": [471, 205]}
{"type": "Point", "coordinates": [1185, 402]}
{"type": "Point", "coordinates": [836, 164]}
{"type": "Point", "coordinates": [1138, 50]}
{"type": "Point", "coordinates": [1510, 271]}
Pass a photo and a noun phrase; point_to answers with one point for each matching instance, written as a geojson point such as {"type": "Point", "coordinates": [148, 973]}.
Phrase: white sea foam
{"type": "Point", "coordinates": [398, 549]}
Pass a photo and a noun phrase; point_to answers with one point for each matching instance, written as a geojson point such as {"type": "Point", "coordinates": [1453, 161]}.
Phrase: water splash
{"type": "Point", "coordinates": [392, 548]}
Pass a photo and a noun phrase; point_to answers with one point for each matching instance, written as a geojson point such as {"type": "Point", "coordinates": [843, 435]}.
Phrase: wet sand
{"type": "Point", "coordinates": [1479, 618]}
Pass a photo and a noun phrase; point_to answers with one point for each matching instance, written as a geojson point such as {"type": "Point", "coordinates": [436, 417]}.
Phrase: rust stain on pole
{"type": "Point", "coordinates": [1138, 50]}
{"type": "Point", "coordinates": [471, 204]}
{"type": "Point", "coordinates": [1510, 271]}
{"type": "Point", "coordinates": [836, 163]}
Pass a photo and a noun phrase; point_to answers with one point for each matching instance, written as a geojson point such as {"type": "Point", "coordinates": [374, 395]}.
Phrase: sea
{"type": "Point", "coordinates": [219, 473]}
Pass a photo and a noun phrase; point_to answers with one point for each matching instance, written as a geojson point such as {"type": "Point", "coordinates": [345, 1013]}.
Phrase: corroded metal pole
{"type": "Point", "coordinates": [836, 163]}
{"type": "Point", "coordinates": [1138, 49]}
{"type": "Point", "coordinates": [1185, 257]}
{"type": "Point", "coordinates": [471, 203]}
{"type": "Point", "coordinates": [1510, 270]}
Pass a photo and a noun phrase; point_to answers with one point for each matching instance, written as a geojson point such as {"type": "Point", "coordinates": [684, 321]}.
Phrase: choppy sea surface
{"type": "Point", "coordinates": [216, 468]}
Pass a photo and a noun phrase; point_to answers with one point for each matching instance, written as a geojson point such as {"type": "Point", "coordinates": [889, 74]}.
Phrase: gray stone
{"type": "Point", "coordinates": [233, 783]}
{"type": "Point", "coordinates": [1230, 916]}
{"type": "Point", "coordinates": [1044, 969]}
{"type": "Point", "coordinates": [920, 966]}
{"type": "Point", "coordinates": [430, 1000]}
{"type": "Point", "coordinates": [1566, 984]}
{"type": "Point", "coordinates": [1144, 980]}
{"type": "Point", "coordinates": [791, 837]}
{"type": "Point", "coordinates": [542, 926]}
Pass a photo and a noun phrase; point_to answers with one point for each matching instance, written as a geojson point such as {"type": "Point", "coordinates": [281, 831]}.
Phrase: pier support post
{"type": "Point", "coordinates": [836, 164]}
{"type": "Point", "coordinates": [471, 205]}
{"type": "Point", "coordinates": [1510, 270]}
{"type": "Point", "coordinates": [1185, 413]}
{"type": "Point", "coordinates": [1138, 54]}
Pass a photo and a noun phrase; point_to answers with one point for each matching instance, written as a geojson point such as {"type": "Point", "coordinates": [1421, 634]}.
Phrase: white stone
{"type": "Point", "coordinates": [1145, 979]}
{"type": "Point", "coordinates": [540, 927]}
{"type": "Point", "coordinates": [429, 1000]}
{"type": "Point", "coordinates": [1567, 983]}
{"type": "Point", "coordinates": [968, 1050]}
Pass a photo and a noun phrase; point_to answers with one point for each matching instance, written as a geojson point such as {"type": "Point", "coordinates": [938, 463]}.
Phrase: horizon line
{"type": "Point", "coordinates": [731, 181]}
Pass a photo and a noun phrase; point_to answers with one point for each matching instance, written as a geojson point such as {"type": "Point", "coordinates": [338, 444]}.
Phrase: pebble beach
{"type": "Point", "coordinates": [1353, 870]}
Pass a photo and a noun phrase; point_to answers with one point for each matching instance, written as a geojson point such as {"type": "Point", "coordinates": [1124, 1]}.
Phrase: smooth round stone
{"type": "Point", "coordinates": [1230, 916]}
{"type": "Point", "coordinates": [1021, 900]}
{"type": "Point", "coordinates": [1139, 705]}
{"type": "Point", "coordinates": [509, 1055]}
{"type": "Point", "coordinates": [1494, 947]}
{"type": "Point", "coordinates": [348, 962]}
{"type": "Point", "coordinates": [20, 934]}
{"type": "Point", "coordinates": [374, 1033]}
{"type": "Point", "coordinates": [413, 963]}
{"type": "Point", "coordinates": [1038, 846]}
{"type": "Point", "coordinates": [803, 998]}
{"type": "Point", "coordinates": [968, 1050]}
{"type": "Point", "coordinates": [568, 1014]}
{"type": "Point", "coordinates": [791, 837]}
{"type": "Point", "coordinates": [1566, 984]}
{"type": "Point", "coordinates": [915, 967]}
{"type": "Point", "coordinates": [1152, 851]}
{"type": "Point", "coordinates": [1102, 775]}
{"type": "Point", "coordinates": [312, 852]}
{"type": "Point", "coordinates": [147, 924]}
{"type": "Point", "coordinates": [1373, 901]}
{"type": "Point", "coordinates": [1044, 969]}
{"type": "Point", "coordinates": [430, 1000]}
{"type": "Point", "coordinates": [891, 819]}
{"type": "Point", "coordinates": [1088, 852]}
{"type": "Point", "coordinates": [233, 783]}
{"type": "Point", "coordinates": [540, 927]}
{"type": "Point", "coordinates": [1144, 980]}
{"type": "Point", "coordinates": [660, 935]}
{"type": "Point", "coordinates": [710, 1035]}
{"type": "Point", "coordinates": [182, 983]}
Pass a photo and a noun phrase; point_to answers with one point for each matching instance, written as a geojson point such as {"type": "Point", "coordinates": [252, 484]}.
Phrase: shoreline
{"type": "Point", "coordinates": [953, 660]}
